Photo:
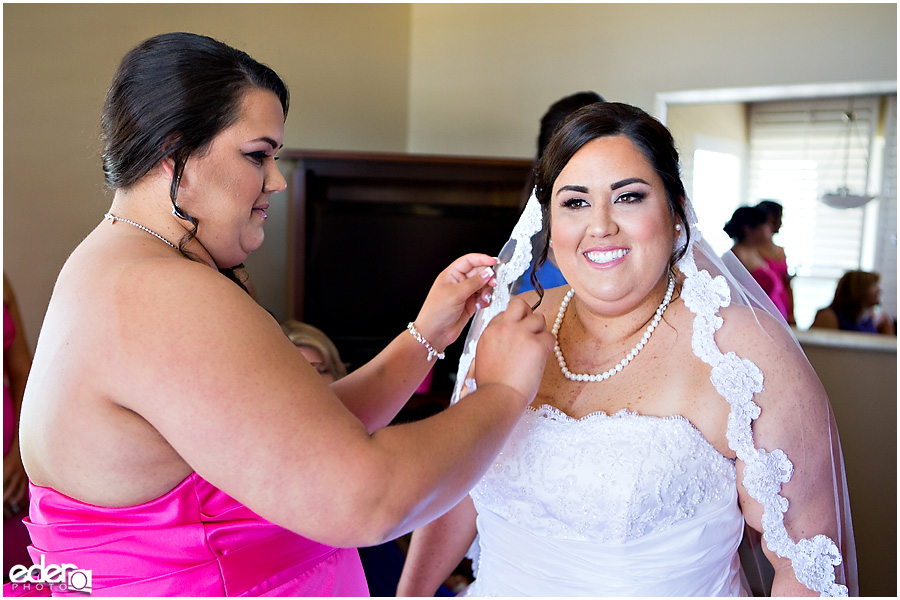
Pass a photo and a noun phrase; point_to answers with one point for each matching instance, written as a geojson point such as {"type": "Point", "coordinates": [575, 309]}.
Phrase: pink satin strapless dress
{"type": "Point", "coordinates": [193, 541]}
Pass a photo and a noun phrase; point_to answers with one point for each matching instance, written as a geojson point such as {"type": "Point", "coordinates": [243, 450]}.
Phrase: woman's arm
{"type": "Point", "coordinates": [229, 392]}
{"type": "Point", "coordinates": [826, 319]}
{"type": "Point", "coordinates": [437, 549]}
{"type": "Point", "coordinates": [884, 322]}
{"type": "Point", "coordinates": [377, 391]}
{"type": "Point", "coordinates": [787, 284]}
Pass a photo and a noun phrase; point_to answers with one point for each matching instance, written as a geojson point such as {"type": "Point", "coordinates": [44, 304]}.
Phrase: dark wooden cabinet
{"type": "Point", "coordinates": [370, 232]}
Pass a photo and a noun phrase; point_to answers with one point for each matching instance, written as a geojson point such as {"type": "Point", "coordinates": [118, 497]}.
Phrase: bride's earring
{"type": "Point", "coordinates": [678, 227]}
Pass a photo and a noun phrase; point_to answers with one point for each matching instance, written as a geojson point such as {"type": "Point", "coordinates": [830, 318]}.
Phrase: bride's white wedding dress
{"type": "Point", "coordinates": [633, 505]}
{"type": "Point", "coordinates": [622, 505]}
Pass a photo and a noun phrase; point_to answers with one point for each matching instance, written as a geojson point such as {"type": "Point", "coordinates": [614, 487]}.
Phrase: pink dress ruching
{"type": "Point", "coordinates": [193, 541]}
{"type": "Point", "coordinates": [772, 283]}
{"type": "Point", "coordinates": [779, 266]}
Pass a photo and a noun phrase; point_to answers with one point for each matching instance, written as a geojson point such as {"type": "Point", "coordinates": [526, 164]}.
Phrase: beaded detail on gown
{"type": "Point", "coordinates": [583, 506]}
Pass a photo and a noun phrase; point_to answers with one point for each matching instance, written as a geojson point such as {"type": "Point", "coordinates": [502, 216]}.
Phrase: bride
{"type": "Point", "coordinates": [677, 408]}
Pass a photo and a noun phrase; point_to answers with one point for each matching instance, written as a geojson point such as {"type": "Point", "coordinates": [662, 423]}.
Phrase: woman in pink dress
{"type": "Point", "coordinates": [774, 254]}
{"type": "Point", "coordinates": [750, 229]}
{"type": "Point", "coordinates": [176, 441]}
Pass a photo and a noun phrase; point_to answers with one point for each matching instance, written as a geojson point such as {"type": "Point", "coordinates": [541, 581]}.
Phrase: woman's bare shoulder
{"type": "Point", "coordinates": [826, 318]}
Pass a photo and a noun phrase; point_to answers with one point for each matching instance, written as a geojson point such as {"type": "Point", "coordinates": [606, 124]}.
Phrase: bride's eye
{"type": "Point", "coordinates": [574, 203]}
{"type": "Point", "coordinates": [630, 197]}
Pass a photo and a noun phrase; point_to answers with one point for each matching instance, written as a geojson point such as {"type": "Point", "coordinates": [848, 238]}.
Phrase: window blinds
{"type": "Point", "coordinates": [800, 151]}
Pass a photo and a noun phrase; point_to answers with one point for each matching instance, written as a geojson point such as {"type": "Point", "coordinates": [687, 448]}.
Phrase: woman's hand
{"type": "Point", "coordinates": [513, 350]}
{"type": "Point", "coordinates": [460, 290]}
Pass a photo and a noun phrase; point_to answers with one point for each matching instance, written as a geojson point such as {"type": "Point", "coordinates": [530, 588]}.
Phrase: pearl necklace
{"type": "Point", "coordinates": [114, 218]}
{"type": "Point", "coordinates": [628, 357]}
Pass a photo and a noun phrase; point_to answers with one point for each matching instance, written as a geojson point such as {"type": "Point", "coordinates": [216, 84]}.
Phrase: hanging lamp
{"type": "Point", "coordinates": [842, 198]}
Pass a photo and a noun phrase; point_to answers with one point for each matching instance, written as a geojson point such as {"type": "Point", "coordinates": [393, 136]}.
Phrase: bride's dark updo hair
{"type": "Point", "coordinates": [607, 119]}
{"type": "Point", "coordinates": [170, 96]}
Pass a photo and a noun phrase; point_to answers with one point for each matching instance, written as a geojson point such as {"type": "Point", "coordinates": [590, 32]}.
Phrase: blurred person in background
{"type": "Point", "coordinates": [750, 229]}
{"type": "Point", "coordinates": [774, 254]}
{"type": "Point", "coordinates": [856, 306]}
{"type": "Point", "coordinates": [317, 348]}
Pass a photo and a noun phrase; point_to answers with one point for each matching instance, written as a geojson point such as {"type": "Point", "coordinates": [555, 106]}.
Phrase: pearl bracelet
{"type": "Point", "coordinates": [431, 351]}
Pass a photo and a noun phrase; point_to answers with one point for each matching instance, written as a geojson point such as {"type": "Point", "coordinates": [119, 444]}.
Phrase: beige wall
{"type": "Point", "coordinates": [346, 66]}
{"type": "Point", "coordinates": [482, 74]}
{"type": "Point", "coordinates": [433, 78]}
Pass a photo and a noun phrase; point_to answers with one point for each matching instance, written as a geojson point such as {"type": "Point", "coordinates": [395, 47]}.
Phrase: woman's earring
{"type": "Point", "coordinates": [678, 227]}
{"type": "Point", "coordinates": [550, 243]}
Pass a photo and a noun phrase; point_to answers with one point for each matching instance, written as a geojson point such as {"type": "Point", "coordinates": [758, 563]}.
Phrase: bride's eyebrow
{"type": "Point", "coordinates": [572, 188]}
{"type": "Point", "coordinates": [628, 181]}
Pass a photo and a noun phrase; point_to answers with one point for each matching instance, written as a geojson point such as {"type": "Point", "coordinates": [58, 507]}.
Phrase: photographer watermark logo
{"type": "Point", "coordinates": [58, 578]}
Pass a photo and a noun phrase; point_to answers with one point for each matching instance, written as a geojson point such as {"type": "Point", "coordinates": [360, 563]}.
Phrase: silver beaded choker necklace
{"type": "Point", "coordinates": [628, 357]}
{"type": "Point", "coordinates": [114, 218]}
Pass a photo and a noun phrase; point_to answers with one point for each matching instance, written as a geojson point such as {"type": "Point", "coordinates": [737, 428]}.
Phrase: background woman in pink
{"type": "Point", "coordinates": [750, 229]}
{"type": "Point", "coordinates": [176, 441]}
{"type": "Point", "coordinates": [774, 254]}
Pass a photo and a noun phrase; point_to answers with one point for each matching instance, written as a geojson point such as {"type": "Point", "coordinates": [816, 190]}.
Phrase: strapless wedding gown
{"type": "Point", "coordinates": [621, 505]}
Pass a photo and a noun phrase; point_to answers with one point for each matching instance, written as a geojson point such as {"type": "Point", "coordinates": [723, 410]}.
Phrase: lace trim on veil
{"type": "Point", "coordinates": [737, 380]}
{"type": "Point", "coordinates": [515, 258]}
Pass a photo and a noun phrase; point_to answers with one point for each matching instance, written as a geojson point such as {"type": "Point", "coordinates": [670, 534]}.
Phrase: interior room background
{"type": "Point", "coordinates": [470, 80]}
{"type": "Point", "coordinates": [459, 79]}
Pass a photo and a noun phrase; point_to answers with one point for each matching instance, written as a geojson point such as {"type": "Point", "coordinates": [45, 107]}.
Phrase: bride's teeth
{"type": "Point", "coordinates": [605, 257]}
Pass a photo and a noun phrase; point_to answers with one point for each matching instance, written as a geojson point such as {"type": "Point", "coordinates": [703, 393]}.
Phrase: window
{"type": "Point", "coordinates": [716, 180]}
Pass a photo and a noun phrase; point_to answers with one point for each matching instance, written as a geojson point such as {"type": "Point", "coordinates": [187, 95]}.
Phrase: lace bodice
{"type": "Point", "coordinates": [620, 505]}
{"type": "Point", "coordinates": [604, 478]}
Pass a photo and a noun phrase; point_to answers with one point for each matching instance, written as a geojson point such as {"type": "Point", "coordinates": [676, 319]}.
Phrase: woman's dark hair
{"type": "Point", "coordinates": [771, 208]}
{"type": "Point", "coordinates": [744, 217]}
{"type": "Point", "coordinates": [852, 292]}
{"type": "Point", "coordinates": [610, 119]}
{"type": "Point", "coordinates": [558, 112]}
{"type": "Point", "coordinates": [170, 96]}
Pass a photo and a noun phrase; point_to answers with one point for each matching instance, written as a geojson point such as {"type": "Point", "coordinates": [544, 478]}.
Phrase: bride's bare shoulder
{"type": "Point", "coordinates": [755, 334]}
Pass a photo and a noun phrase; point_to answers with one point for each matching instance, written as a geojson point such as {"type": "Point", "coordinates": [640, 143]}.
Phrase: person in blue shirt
{"type": "Point", "coordinates": [548, 275]}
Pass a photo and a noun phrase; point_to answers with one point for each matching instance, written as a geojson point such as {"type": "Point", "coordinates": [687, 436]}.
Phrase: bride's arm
{"type": "Point", "coordinates": [377, 391]}
{"type": "Point", "coordinates": [436, 549]}
{"type": "Point", "coordinates": [795, 418]}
